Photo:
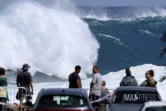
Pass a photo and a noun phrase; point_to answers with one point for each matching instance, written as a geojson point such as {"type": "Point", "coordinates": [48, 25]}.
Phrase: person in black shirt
{"type": "Point", "coordinates": [24, 79]}
{"type": "Point", "coordinates": [74, 78]}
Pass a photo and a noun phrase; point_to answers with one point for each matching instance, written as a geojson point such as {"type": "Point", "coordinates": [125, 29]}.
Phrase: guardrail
{"type": "Point", "coordinates": [9, 98]}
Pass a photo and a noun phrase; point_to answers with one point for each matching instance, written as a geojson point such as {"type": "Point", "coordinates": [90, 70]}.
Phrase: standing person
{"type": "Point", "coordinates": [3, 83]}
{"type": "Point", "coordinates": [24, 79]}
{"type": "Point", "coordinates": [74, 78]}
{"type": "Point", "coordinates": [96, 86]}
{"type": "Point", "coordinates": [105, 91]}
{"type": "Point", "coordinates": [149, 82]}
{"type": "Point", "coordinates": [129, 80]}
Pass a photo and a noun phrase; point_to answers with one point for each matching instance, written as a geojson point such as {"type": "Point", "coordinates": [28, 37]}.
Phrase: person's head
{"type": "Point", "coordinates": [104, 83]}
{"type": "Point", "coordinates": [128, 72]}
{"type": "Point", "coordinates": [2, 71]}
{"type": "Point", "coordinates": [25, 67]}
{"type": "Point", "coordinates": [95, 69]}
{"type": "Point", "coordinates": [77, 69]}
{"type": "Point", "coordinates": [149, 74]}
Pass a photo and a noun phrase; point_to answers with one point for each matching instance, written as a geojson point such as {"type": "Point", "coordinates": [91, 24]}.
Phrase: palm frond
{"type": "Point", "coordinates": [164, 37]}
{"type": "Point", "coordinates": [163, 52]}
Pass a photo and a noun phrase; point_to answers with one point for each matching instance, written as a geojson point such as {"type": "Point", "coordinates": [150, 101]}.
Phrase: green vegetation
{"type": "Point", "coordinates": [164, 40]}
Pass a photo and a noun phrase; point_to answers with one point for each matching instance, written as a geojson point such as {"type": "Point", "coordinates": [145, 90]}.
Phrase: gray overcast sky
{"type": "Point", "coordinates": [120, 2]}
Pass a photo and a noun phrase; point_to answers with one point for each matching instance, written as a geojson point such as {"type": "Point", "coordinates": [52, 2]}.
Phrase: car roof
{"type": "Point", "coordinates": [135, 88]}
{"type": "Point", "coordinates": [68, 91]}
{"type": "Point", "coordinates": [155, 103]}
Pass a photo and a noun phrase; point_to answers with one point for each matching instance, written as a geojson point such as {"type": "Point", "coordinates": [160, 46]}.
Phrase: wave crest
{"type": "Point", "coordinates": [124, 13]}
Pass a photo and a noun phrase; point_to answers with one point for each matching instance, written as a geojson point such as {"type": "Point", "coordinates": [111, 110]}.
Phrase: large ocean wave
{"type": "Point", "coordinates": [123, 13]}
{"type": "Point", "coordinates": [52, 39]}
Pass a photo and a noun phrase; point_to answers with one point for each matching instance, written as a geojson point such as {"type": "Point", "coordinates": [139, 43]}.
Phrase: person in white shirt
{"type": "Point", "coordinates": [96, 86]}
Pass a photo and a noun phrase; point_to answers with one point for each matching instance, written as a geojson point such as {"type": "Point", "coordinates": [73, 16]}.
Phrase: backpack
{"type": "Point", "coordinates": [103, 94]}
{"type": "Point", "coordinates": [128, 81]}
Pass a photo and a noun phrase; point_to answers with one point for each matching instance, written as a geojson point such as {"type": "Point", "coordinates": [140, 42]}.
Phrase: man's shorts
{"type": "Point", "coordinates": [22, 93]}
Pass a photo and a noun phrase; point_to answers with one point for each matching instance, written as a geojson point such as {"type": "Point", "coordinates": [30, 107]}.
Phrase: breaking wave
{"type": "Point", "coordinates": [52, 39]}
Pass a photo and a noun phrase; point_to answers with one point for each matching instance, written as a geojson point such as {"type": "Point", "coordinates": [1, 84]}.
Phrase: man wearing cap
{"type": "Point", "coordinates": [24, 79]}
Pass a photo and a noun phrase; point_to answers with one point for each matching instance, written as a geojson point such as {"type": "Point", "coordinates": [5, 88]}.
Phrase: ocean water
{"type": "Point", "coordinates": [53, 37]}
{"type": "Point", "coordinates": [128, 36]}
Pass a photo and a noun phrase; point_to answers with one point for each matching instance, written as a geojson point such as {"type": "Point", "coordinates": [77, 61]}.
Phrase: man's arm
{"type": "Point", "coordinates": [121, 83]}
{"type": "Point", "coordinates": [78, 83]}
{"type": "Point", "coordinates": [31, 85]}
{"type": "Point", "coordinates": [69, 78]}
{"type": "Point", "coordinates": [93, 83]}
{"type": "Point", "coordinates": [135, 82]}
{"type": "Point", "coordinates": [17, 81]}
{"type": "Point", "coordinates": [92, 86]}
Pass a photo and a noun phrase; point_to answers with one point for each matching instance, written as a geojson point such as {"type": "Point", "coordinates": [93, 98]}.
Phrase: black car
{"type": "Point", "coordinates": [132, 98]}
{"type": "Point", "coordinates": [62, 100]}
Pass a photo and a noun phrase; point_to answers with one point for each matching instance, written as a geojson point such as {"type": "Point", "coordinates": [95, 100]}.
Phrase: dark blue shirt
{"type": "Point", "coordinates": [73, 80]}
{"type": "Point", "coordinates": [23, 79]}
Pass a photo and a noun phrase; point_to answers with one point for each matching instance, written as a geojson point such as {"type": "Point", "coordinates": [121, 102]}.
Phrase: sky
{"type": "Point", "coordinates": [100, 2]}
{"type": "Point", "coordinates": [120, 2]}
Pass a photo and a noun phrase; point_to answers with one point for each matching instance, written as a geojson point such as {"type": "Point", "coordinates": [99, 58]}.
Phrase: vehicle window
{"type": "Point", "coordinates": [135, 97]}
{"type": "Point", "coordinates": [156, 109]}
{"type": "Point", "coordinates": [52, 101]}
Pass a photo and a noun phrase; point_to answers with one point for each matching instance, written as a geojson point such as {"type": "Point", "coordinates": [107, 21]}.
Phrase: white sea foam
{"type": "Point", "coordinates": [128, 14]}
{"type": "Point", "coordinates": [147, 32]}
{"type": "Point", "coordinates": [101, 17]}
{"type": "Point", "coordinates": [116, 40]}
{"type": "Point", "coordinates": [51, 39]}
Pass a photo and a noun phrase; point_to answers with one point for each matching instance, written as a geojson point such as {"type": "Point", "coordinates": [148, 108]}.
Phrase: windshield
{"type": "Point", "coordinates": [135, 97]}
{"type": "Point", "coordinates": [52, 101]}
{"type": "Point", "coordinates": [156, 109]}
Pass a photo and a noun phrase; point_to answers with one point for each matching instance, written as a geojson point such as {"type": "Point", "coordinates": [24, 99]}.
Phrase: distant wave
{"type": "Point", "coordinates": [128, 13]}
